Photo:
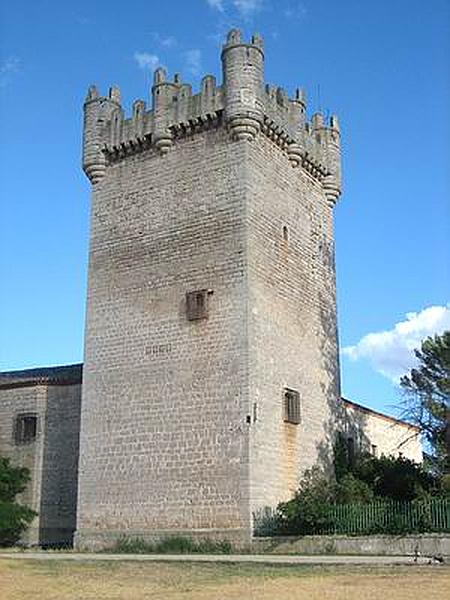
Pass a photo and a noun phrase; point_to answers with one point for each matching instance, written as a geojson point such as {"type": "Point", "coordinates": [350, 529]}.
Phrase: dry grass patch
{"type": "Point", "coordinates": [89, 580]}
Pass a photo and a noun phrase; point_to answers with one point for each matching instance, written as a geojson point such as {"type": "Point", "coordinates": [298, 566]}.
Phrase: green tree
{"type": "Point", "coordinates": [14, 517]}
{"type": "Point", "coordinates": [427, 396]}
{"type": "Point", "coordinates": [395, 478]}
{"type": "Point", "coordinates": [366, 477]}
{"type": "Point", "coordinates": [341, 459]}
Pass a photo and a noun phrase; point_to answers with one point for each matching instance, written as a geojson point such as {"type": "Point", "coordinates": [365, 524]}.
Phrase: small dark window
{"type": "Point", "coordinates": [26, 428]}
{"type": "Point", "coordinates": [291, 407]}
{"type": "Point", "coordinates": [197, 304]}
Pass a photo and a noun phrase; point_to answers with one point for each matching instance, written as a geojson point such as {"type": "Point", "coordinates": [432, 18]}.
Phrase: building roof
{"type": "Point", "coordinates": [378, 414]}
{"type": "Point", "coordinates": [62, 375]}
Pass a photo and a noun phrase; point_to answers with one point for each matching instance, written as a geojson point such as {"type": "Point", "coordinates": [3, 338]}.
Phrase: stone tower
{"type": "Point", "coordinates": [211, 366]}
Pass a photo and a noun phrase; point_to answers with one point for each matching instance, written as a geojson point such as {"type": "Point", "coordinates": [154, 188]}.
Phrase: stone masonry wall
{"type": "Point", "coordinates": [14, 401]}
{"type": "Point", "coordinates": [379, 434]}
{"type": "Point", "coordinates": [164, 432]}
{"type": "Point", "coordinates": [292, 314]}
{"type": "Point", "coordinates": [58, 504]}
{"type": "Point", "coordinates": [51, 457]}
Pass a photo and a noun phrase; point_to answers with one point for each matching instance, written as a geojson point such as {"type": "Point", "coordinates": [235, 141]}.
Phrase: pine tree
{"type": "Point", "coordinates": [427, 396]}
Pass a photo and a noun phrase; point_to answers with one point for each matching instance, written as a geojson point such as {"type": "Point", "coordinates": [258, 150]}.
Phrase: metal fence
{"type": "Point", "coordinates": [429, 516]}
{"type": "Point", "coordinates": [365, 519]}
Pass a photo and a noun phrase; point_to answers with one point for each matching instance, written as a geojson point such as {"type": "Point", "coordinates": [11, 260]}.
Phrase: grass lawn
{"type": "Point", "coordinates": [86, 580]}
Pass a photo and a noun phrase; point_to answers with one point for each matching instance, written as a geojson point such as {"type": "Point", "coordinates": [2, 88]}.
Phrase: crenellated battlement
{"type": "Point", "coordinates": [243, 103]}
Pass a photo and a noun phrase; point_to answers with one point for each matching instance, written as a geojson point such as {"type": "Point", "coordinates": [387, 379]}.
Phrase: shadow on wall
{"type": "Point", "coordinates": [58, 504]}
{"type": "Point", "coordinates": [339, 420]}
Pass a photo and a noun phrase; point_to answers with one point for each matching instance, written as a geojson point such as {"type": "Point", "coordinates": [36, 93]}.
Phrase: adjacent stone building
{"type": "Point", "coordinates": [211, 377]}
{"type": "Point", "coordinates": [40, 429]}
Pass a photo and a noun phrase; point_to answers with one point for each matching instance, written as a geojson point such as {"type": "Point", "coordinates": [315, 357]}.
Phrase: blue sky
{"type": "Point", "coordinates": [382, 66]}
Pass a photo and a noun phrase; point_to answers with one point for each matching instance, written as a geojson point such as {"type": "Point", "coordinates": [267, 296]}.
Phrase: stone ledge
{"type": "Point", "coordinates": [432, 544]}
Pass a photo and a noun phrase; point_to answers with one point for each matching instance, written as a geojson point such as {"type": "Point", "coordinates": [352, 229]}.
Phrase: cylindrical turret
{"type": "Point", "coordinates": [163, 93]}
{"type": "Point", "coordinates": [138, 118]}
{"type": "Point", "coordinates": [97, 113]}
{"type": "Point", "coordinates": [297, 115]}
{"type": "Point", "coordinates": [297, 111]}
{"type": "Point", "coordinates": [243, 79]}
{"type": "Point", "coordinates": [184, 95]}
{"type": "Point", "coordinates": [332, 182]}
{"type": "Point", "coordinates": [207, 93]}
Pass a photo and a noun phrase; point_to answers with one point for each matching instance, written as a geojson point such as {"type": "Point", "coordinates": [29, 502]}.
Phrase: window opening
{"type": "Point", "coordinates": [291, 407]}
{"type": "Point", "coordinates": [26, 428]}
{"type": "Point", "coordinates": [197, 304]}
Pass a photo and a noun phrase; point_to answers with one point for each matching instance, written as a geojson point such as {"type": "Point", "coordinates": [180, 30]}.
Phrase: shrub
{"type": "Point", "coordinates": [395, 478]}
{"type": "Point", "coordinates": [14, 518]}
{"type": "Point", "coordinates": [350, 490]}
{"type": "Point", "coordinates": [445, 485]}
{"type": "Point", "coordinates": [308, 512]}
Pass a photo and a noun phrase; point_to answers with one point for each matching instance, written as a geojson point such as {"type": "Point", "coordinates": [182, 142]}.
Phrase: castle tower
{"type": "Point", "coordinates": [211, 368]}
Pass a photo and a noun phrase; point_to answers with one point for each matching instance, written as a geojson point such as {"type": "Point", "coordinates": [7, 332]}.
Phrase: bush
{"type": "Point", "coordinates": [14, 518]}
{"type": "Point", "coordinates": [350, 490]}
{"type": "Point", "coordinates": [394, 487]}
{"type": "Point", "coordinates": [395, 478]}
{"type": "Point", "coordinates": [445, 485]}
{"type": "Point", "coordinates": [308, 511]}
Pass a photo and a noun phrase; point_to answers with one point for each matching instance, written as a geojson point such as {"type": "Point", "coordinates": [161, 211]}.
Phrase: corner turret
{"type": "Point", "coordinates": [243, 80]}
{"type": "Point", "coordinates": [98, 112]}
{"type": "Point", "coordinates": [332, 182]}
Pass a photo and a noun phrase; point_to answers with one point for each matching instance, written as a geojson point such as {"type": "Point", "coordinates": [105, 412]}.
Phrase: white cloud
{"type": "Point", "coordinates": [295, 10]}
{"type": "Point", "coordinates": [216, 4]}
{"type": "Point", "coordinates": [248, 8]}
{"type": "Point", "coordinates": [391, 352]}
{"type": "Point", "coordinates": [168, 41]}
{"type": "Point", "coordinates": [8, 67]}
{"type": "Point", "coordinates": [193, 61]}
{"type": "Point", "coordinates": [147, 61]}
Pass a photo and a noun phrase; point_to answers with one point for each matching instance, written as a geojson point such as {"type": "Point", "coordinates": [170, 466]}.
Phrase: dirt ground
{"type": "Point", "coordinates": [84, 580]}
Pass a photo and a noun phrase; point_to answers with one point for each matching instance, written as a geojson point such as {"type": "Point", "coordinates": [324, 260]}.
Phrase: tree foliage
{"type": "Point", "coordinates": [350, 490]}
{"type": "Point", "coordinates": [14, 518]}
{"type": "Point", "coordinates": [308, 510]}
{"type": "Point", "coordinates": [395, 478]}
{"type": "Point", "coordinates": [360, 479]}
{"type": "Point", "coordinates": [427, 396]}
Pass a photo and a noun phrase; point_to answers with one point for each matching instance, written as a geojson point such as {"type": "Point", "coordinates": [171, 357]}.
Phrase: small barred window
{"type": "Point", "coordinates": [292, 413]}
{"type": "Point", "coordinates": [197, 304]}
{"type": "Point", "coordinates": [25, 429]}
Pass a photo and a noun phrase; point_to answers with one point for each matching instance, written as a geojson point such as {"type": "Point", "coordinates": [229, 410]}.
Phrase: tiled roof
{"type": "Point", "coordinates": [64, 375]}
{"type": "Point", "coordinates": [376, 413]}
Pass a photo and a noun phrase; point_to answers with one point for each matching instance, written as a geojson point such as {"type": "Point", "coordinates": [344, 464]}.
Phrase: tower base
{"type": "Point", "coordinates": [95, 540]}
